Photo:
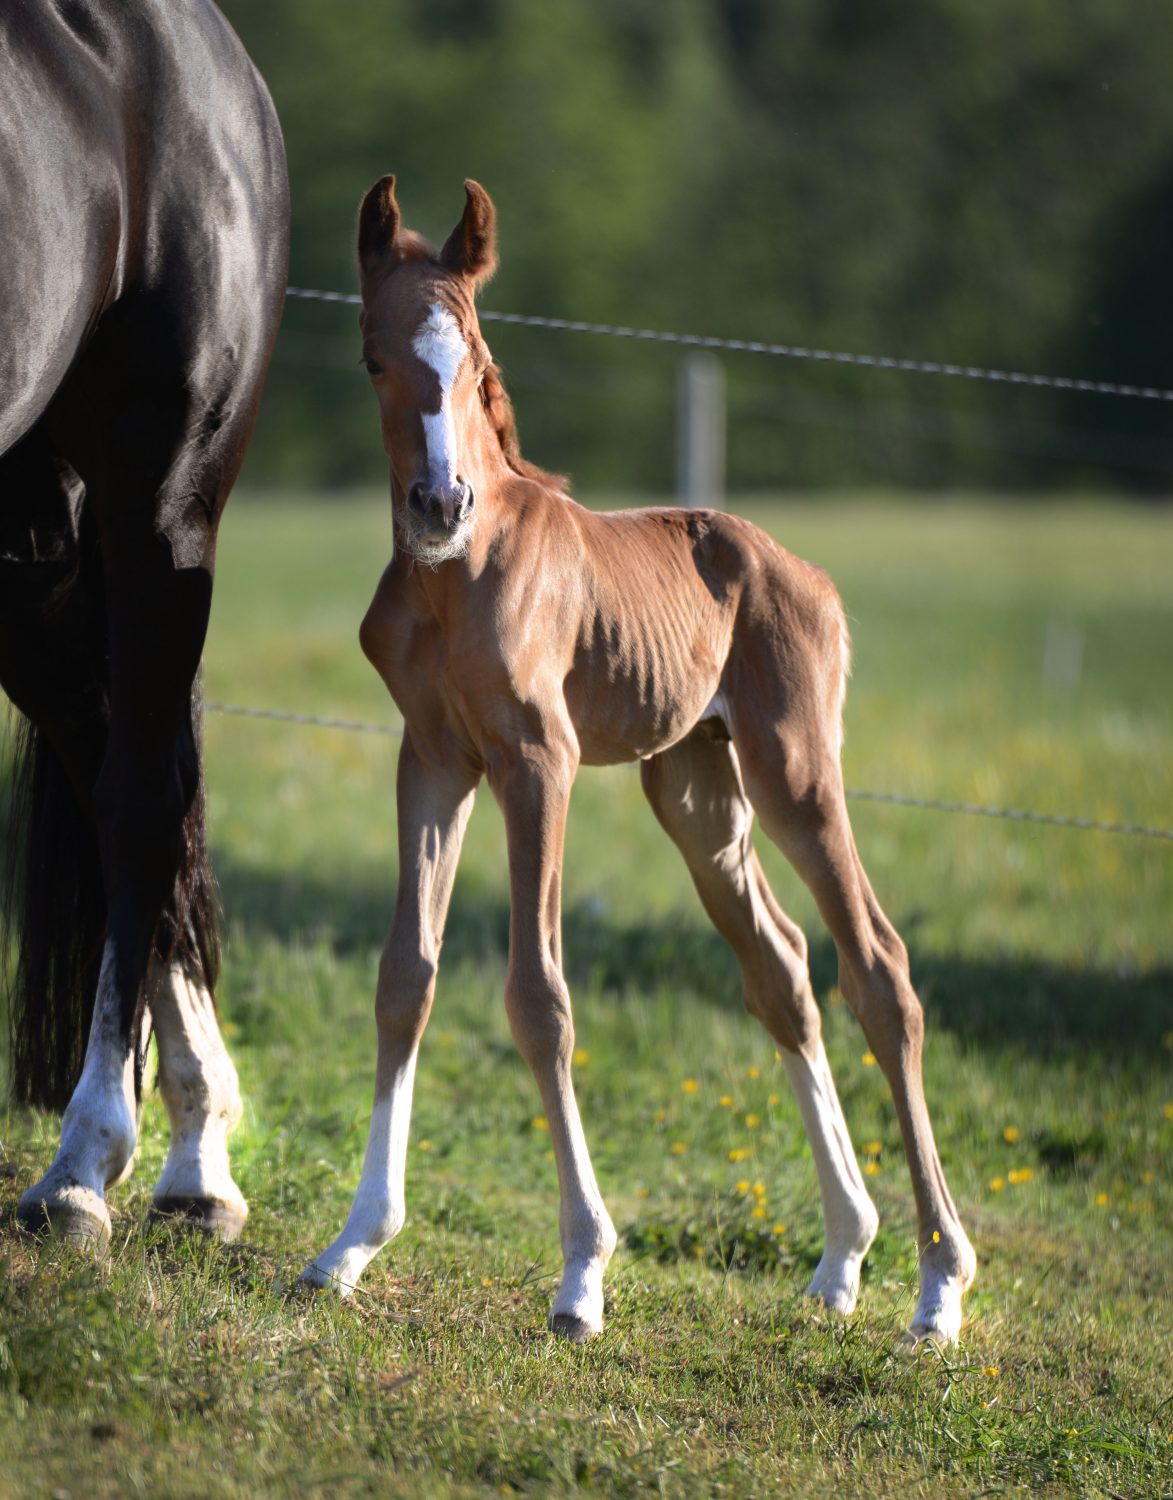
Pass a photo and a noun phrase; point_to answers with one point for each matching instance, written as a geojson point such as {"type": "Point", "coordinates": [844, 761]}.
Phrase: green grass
{"type": "Point", "coordinates": [1043, 957]}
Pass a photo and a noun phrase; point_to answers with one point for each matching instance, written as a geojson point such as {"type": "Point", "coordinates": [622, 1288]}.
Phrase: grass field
{"type": "Point", "coordinates": [1043, 956]}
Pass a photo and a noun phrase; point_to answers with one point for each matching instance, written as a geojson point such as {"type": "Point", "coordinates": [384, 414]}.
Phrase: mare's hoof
{"type": "Point", "coordinates": [574, 1330]}
{"type": "Point", "coordinates": [211, 1216]}
{"type": "Point", "coordinates": [63, 1221]}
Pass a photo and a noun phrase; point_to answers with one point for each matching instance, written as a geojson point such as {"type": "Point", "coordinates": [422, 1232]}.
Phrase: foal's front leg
{"type": "Point", "coordinates": [533, 788]}
{"type": "Point", "coordinates": [434, 804]}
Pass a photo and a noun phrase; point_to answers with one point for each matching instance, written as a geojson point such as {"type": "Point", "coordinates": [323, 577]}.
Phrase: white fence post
{"type": "Point", "coordinates": [700, 431]}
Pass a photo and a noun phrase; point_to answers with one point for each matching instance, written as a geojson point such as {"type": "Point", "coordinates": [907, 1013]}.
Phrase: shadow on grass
{"type": "Point", "coordinates": [996, 1002]}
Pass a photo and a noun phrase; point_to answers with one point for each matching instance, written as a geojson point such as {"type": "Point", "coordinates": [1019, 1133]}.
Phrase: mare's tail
{"type": "Point", "coordinates": [53, 910]}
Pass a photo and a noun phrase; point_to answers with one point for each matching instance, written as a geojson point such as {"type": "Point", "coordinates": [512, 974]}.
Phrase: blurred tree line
{"type": "Point", "coordinates": [983, 181]}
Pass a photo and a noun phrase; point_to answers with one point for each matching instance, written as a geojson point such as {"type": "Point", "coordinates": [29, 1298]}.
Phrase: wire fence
{"type": "Point", "coordinates": [895, 799]}
{"type": "Point", "coordinates": [795, 351]}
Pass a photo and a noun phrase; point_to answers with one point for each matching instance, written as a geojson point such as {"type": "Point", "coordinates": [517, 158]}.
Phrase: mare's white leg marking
{"type": "Point", "coordinates": [587, 1233]}
{"type": "Point", "coordinates": [849, 1215]}
{"type": "Point", "coordinates": [199, 1087]}
{"type": "Point", "coordinates": [97, 1129]}
{"type": "Point", "coordinates": [440, 345]}
{"type": "Point", "coordinates": [379, 1209]}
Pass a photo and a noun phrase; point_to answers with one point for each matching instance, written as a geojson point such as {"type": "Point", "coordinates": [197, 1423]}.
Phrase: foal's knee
{"type": "Point", "coordinates": [538, 1006]}
{"type": "Point", "coordinates": [403, 995]}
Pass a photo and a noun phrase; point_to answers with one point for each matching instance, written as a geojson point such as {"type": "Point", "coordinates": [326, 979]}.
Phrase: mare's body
{"type": "Point", "coordinates": [144, 237]}
{"type": "Point", "coordinates": [521, 636]}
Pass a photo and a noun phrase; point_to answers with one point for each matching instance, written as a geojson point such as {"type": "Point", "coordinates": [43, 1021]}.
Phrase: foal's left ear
{"type": "Point", "coordinates": [471, 248]}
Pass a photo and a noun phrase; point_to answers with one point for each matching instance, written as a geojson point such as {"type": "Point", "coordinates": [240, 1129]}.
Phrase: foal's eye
{"type": "Point", "coordinates": [373, 367]}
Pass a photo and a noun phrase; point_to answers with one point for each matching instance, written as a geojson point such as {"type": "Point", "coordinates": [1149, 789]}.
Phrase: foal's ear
{"type": "Point", "coordinates": [471, 248]}
{"type": "Point", "coordinates": [378, 224]}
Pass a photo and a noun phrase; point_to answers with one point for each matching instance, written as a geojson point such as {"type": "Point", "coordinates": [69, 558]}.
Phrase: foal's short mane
{"type": "Point", "coordinates": [499, 410]}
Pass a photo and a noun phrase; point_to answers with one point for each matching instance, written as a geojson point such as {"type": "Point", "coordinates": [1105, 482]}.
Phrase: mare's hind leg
{"type": "Point", "coordinates": [146, 785]}
{"type": "Point", "coordinates": [155, 418]}
{"type": "Point", "coordinates": [199, 1087]}
{"type": "Point", "coordinates": [792, 774]}
{"type": "Point", "coordinates": [695, 791]}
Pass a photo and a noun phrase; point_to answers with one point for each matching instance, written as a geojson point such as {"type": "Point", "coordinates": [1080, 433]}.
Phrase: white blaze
{"type": "Point", "coordinates": [440, 345]}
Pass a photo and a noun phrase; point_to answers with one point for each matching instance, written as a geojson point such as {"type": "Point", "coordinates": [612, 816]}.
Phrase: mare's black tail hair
{"type": "Point", "coordinates": [53, 914]}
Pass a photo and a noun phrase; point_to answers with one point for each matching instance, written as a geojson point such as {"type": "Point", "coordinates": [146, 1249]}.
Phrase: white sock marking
{"type": "Point", "coordinates": [199, 1087]}
{"type": "Point", "coordinates": [98, 1127]}
{"type": "Point", "coordinates": [849, 1216]}
{"type": "Point", "coordinates": [379, 1210]}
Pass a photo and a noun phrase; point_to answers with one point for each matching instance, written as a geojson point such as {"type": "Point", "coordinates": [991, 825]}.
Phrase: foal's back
{"type": "Point", "coordinates": [680, 614]}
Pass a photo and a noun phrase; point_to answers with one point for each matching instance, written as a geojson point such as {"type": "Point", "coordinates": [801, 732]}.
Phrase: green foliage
{"type": "Point", "coordinates": [1043, 958]}
{"type": "Point", "coordinates": [941, 180]}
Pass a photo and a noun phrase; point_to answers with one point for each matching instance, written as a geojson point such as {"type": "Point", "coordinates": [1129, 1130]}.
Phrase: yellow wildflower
{"type": "Point", "coordinates": [872, 1169]}
{"type": "Point", "coordinates": [991, 1371]}
{"type": "Point", "coordinates": [778, 1055]}
{"type": "Point", "coordinates": [726, 1101]}
{"type": "Point", "coordinates": [690, 1086]}
{"type": "Point", "coordinates": [1148, 1178]}
{"type": "Point", "coordinates": [752, 1121]}
{"type": "Point", "coordinates": [425, 1145]}
{"type": "Point", "coordinates": [660, 1116]}
{"type": "Point", "coordinates": [740, 1153]}
{"type": "Point", "coordinates": [1168, 1111]}
{"type": "Point", "coordinates": [1020, 1175]}
{"type": "Point", "coordinates": [581, 1057]}
{"type": "Point", "coordinates": [1010, 1134]}
{"type": "Point", "coordinates": [752, 1072]}
{"type": "Point", "coordinates": [743, 1185]}
{"type": "Point", "coordinates": [1102, 1200]}
{"type": "Point", "coordinates": [936, 1236]}
{"type": "Point", "coordinates": [779, 1229]}
{"type": "Point", "coordinates": [997, 1184]}
{"type": "Point", "coordinates": [774, 1100]}
{"type": "Point", "coordinates": [868, 1059]}
{"type": "Point", "coordinates": [678, 1148]}
{"type": "Point", "coordinates": [759, 1189]}
{"type": "Point", "coordinates": [872, 1148]}
{"type": "Point", "coordinates": [539, 1122]}
{"type": "Point", "coordinates": [759, 1212]}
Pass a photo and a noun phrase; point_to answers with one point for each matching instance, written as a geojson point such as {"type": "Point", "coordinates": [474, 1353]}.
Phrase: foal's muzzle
{"type": "Point", "coordinates": [442, 509]}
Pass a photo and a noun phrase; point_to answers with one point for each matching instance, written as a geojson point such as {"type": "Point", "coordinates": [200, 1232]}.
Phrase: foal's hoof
{"type": "Point", "coordinates": [574, 1330]}
{"type": "Point", "coordinates": [316, 1278]}
{"type": "Point", "coordinates": [215, 1217]}
{"type": "Point", "coordinates": [70, 1222]}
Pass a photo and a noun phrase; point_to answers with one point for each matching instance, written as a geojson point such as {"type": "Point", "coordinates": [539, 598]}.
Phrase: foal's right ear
{"type": "Point", "coordinates": [378, 224]}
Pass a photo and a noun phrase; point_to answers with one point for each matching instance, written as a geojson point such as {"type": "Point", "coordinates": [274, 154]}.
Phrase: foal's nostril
{"type": "Point", "coordinates": [417, 500]}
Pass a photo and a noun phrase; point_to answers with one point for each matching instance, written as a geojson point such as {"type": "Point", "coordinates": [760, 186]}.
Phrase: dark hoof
{"type": "Point", "coordinates": [75, 1226]}
{"type": "Point", "coordinates": [574, 1330]}
{"type": "Point", "coordinates": [210, 1216]}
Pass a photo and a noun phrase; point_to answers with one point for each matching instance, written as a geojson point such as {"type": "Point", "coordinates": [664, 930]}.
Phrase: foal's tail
{"type": "Point", "coordinates": [53, 914]}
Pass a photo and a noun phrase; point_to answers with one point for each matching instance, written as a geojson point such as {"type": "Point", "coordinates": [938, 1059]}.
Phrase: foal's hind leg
{"type": "Point", "coordinates": [793, 778]}
{"type": "Point", "coordinates": [695, 791]}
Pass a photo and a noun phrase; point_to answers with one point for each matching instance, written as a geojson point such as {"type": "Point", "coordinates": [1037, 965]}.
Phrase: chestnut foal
{"type": "Point", "coordinates": [521, 635]}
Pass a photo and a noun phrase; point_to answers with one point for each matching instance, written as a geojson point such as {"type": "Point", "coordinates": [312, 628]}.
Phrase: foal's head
{"type": "Point", "coordinates": [428, 365]}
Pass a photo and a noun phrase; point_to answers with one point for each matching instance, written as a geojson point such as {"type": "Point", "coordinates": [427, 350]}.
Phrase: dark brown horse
{"type": "Point", "coordinates": [144, 237]}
